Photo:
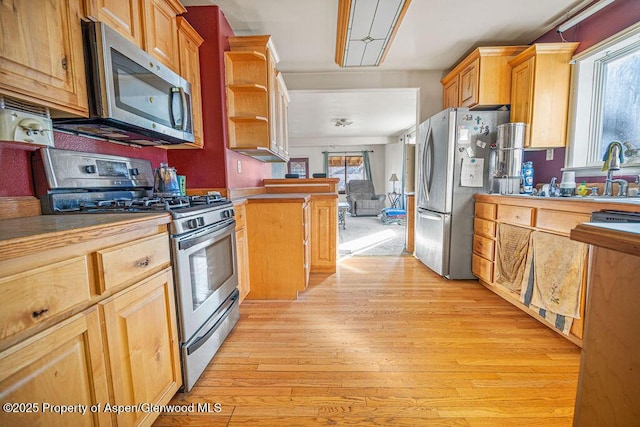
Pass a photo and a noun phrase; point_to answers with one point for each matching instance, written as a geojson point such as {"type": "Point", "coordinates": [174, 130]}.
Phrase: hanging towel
{"type": "Point", "coordinates": [558, 267]}
{"type": "Point", "coordinates": [610, 152]}
{"type": "Point", "coordinates": [513, 244]}
{"type": "Point", "coordinates": [560, 322]}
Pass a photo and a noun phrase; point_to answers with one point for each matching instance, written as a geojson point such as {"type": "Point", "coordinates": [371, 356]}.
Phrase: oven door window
{"type": "Point", "coordinates": [211, 267]}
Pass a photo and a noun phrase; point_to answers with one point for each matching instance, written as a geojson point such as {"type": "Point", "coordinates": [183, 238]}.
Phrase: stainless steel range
{"type": "Point", "coordinates": [202, 237]}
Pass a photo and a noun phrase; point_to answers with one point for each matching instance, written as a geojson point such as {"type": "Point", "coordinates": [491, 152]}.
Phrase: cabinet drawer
{"type": "Point", "coordinates": [517, 215]}
{"type": "Point", "coordinates": [482, 268]}
{"type": "Point", "coordinates": [30, 297]}
{"type": "Point", "coordinates": [132, 261]}
{"type": "Point", "coordinates": [484, 227]}
{"type": "Point", "coordinates": [484, 247]}
{"type": "Point", "coordinates": [560, 221]}
{"type": "Point", "coordinates": [485, 210]}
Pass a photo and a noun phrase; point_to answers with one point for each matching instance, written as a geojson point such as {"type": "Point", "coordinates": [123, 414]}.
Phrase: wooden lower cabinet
{"type": "Point", "coordinates": [278, 240]}
{"type": "Point", "coordinates": [89, 318]}
{"type": "Point", "coordinates": [324, 235]}
{"type": "Point", "coordinates": [142, 337]}
{"type": "Point", "coordinates": [242, 249]}
{"type": "Point", "coordinates": [63, 365]}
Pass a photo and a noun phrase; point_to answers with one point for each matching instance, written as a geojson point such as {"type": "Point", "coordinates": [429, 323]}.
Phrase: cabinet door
{"type": "Point", "coordinates": [121, 15]}
{"type": "Point", "coordinates": [282, 118]}
{"type": "Point", "coordinates": [522, 94]}
{"type": "Point", "coordinates": [189, 44]}
{"type": "Point", "coordinates": [324, 235]}
{"type": "Point", "coordinates": [161, 31]}
{"type": "Point", "coordinates": [469, 84]}
{"type": "Point", "coordinates": [142, 338]}
{"type": "Point", "coordinates": [273, 102]}
{"type": "Point", "coordinates": [41, 56]}
{"type": "Point", "coordinates": [450, 93]}
{"type": "Point", "coordinates": [242, 254]}
{"type": "Point", "coordinates": [63, 365]}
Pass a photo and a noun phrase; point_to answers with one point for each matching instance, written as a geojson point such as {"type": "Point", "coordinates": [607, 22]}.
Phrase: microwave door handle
{"type": "Point", "coordinates": [179, 124]}
{"type": "Point", "coordinates": [185, 110]}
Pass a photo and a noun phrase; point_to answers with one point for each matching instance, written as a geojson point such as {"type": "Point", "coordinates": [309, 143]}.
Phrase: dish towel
{"type": "Point", "coordinates": [551, 284]}
{"type": "Point", "coordinates": [610, 152]}
{"type": "Point", "coordinates": [511, 257]}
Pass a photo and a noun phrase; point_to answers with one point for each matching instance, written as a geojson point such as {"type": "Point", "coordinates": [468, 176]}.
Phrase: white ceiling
{"type": "Point", "coordinates": [434, 35]}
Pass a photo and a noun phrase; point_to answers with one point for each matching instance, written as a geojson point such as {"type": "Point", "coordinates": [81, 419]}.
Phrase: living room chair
{"type": "Point", "coordinates": [362, 199]}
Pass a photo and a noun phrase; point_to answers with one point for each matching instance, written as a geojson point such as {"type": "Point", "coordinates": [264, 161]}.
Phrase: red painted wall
{"type": "Point", "coordinates": [215, 165]}
{"type": "Point", "coordinates": [15, 159]}
{"type": "Point", "coordinates": [612, 19]}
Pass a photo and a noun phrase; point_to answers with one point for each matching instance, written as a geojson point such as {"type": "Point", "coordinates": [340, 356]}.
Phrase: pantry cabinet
{"type": "Point", "coordinates": [41, 55]}
{"type": "Point", "coordinates": [88, 314]}
{"type": "Point", "coordinates": [256, 99]}
{"type": "Point", "coordinates": [482, 79]}
{"type": "Point", "coordinates": [540, 92]}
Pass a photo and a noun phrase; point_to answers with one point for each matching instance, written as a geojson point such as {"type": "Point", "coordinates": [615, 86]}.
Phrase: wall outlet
{"type": "Point", "coordinates": [239, 166]}
{"type": "Point", "coordinates": [549, 153]}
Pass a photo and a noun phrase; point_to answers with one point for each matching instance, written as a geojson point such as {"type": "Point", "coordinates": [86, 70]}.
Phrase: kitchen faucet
{"type": "Point", "coordinates": [612, 159]}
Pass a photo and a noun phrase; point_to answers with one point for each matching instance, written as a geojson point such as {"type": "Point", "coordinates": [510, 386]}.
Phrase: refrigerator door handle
{"type": "Point", "coordinates": [427, 166]}
{"type": "Point", "coordinates": [427, 215]}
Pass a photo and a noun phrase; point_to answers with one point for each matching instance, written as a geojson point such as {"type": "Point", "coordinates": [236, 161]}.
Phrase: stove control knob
{"type": "Point", "coordinates": [191, 224]}
{"type": "Point", "coordinates": [90, 169]}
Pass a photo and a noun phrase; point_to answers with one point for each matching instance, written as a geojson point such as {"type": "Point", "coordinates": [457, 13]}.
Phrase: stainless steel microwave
{"type": "Point", "coordinates": [133, 98]}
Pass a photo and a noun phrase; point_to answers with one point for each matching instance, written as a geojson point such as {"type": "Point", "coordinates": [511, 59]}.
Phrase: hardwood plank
{"type": "Point", "coordinates": [385, 341]}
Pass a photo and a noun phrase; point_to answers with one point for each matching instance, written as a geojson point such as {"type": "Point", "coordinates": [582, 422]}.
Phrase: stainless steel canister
{"type": "Point", "coordinates": [510, 143]}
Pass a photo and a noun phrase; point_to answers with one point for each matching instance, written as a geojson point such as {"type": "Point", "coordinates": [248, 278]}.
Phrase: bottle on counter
{"type": "Point", "coordinates": [527, 178]}
{"type": "Point", "coordinates": [582, 189]}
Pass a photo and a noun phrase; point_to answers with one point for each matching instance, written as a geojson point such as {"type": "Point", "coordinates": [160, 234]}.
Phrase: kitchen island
{"type": "Point", "coordinates": [609, 382]}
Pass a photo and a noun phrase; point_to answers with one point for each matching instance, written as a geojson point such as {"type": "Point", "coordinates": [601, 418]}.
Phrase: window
{"type": "Point", "coordinates": [345, 168]}
{"type": "Point", "coordinates": [606, 102]}
{"type": "Point", "coordinates": [299, 166]}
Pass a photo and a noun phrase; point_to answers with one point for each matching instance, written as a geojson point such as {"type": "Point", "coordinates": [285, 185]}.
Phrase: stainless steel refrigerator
{"type": "Point", "coordinates": [453, 162]}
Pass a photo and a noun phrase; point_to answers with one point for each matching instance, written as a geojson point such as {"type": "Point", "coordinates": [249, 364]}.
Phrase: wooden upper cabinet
{"type": "Point", "coordinates": [450, 92]}
{"type": "Point", "coordinates": [189, 42]}
{"type": "Point", "coordinates": [121, 15]}
{"type": "Point", "coordinates": [482, 79]}
{"type": "Point", "coordinates": [160, 29]}
{"type": "Point", "coordinates": [41, 55]}
{"type": "Point", "coordinates": [256, 112]}
{"type": "Point", "coordinates": [469, 84]}
{"type": "Point", "coordinates": [540, 92]}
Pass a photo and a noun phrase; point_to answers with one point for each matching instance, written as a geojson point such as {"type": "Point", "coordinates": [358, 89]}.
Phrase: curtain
{"type": "Point", "coordinates": [326, 162]}
{"type": "Point", "coordinates": [367, 165]}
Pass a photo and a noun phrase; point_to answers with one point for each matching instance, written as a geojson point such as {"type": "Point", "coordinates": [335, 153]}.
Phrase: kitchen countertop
{"type": "Point", "coordinates": [289, 197]}
{"type": "Point", "coordinates": [574, 204]}
{"type": "Point", "coordinates": [621, 237]}
{"type": "Point", "coordinates": [28, 234]}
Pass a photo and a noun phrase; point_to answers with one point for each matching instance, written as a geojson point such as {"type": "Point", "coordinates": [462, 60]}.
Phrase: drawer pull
{"type": "Point", "coordinates": [39, 313]}
{"type": "Point", "coordinates": [144, 262]}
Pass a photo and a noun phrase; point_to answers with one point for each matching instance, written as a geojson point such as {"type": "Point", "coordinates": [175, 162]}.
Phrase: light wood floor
{"type": "Point", "coordinates": [385, 342]}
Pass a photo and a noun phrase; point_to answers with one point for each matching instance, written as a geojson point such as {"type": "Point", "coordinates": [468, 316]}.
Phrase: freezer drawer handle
{"type": "Point", "coordinates": [429, 216]}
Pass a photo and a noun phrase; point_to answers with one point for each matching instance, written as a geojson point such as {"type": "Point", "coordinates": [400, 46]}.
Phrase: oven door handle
{"type": "Point", "coordinates": [210, 234]}
{"type": "Point", "coordinates": [225, 308]}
